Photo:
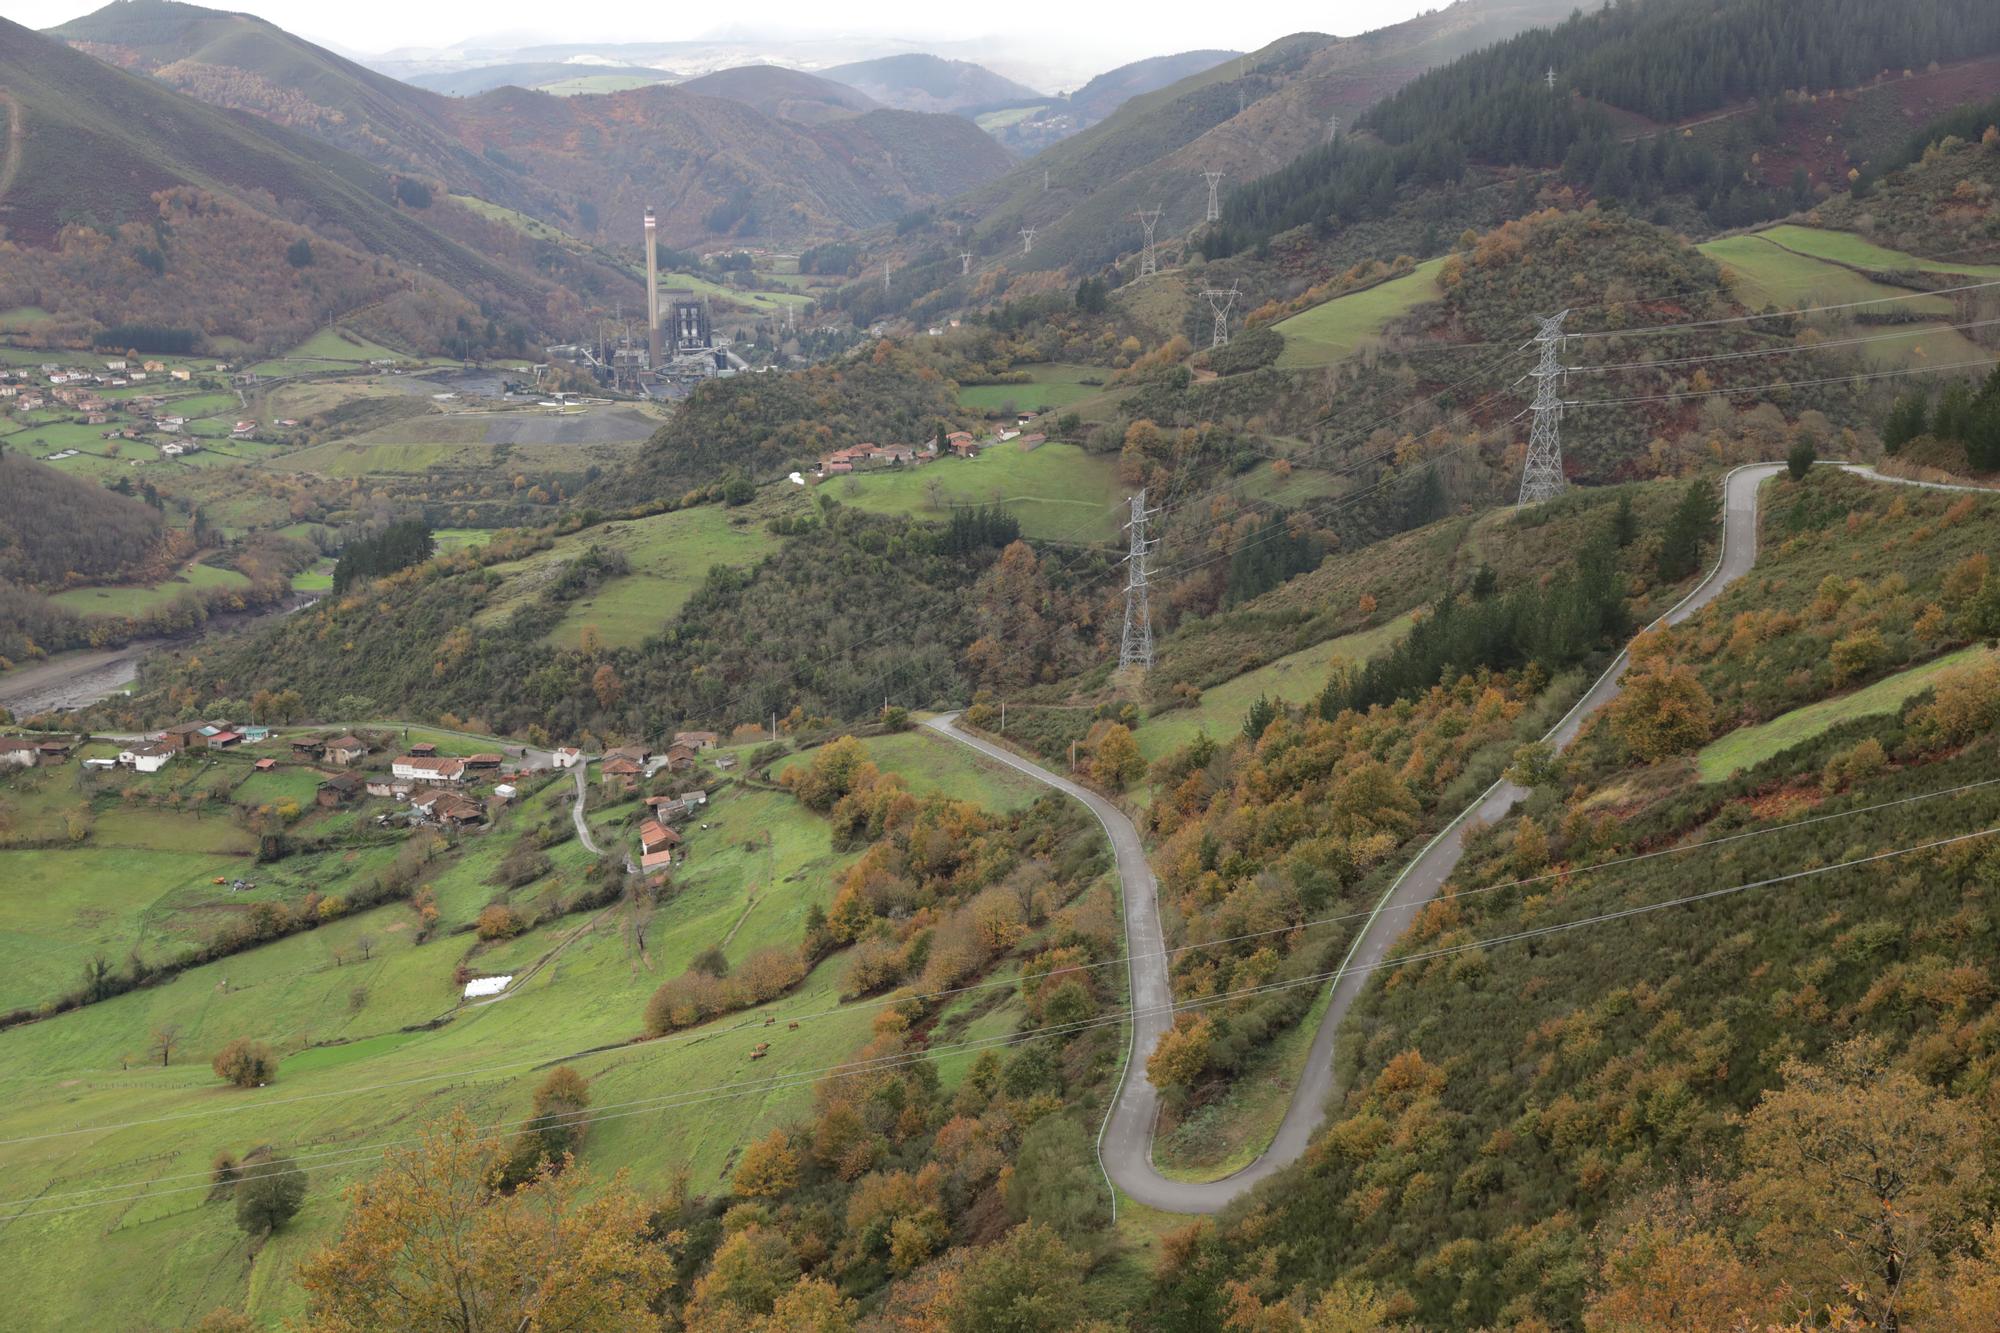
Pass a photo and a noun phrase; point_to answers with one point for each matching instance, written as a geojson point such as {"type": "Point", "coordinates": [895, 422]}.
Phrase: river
{"type": "Point", "coordinates": [77, 679]}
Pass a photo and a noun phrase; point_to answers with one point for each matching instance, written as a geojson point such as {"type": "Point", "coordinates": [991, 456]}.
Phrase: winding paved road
{"type": "Point", "coordinates": [1125, 1145]}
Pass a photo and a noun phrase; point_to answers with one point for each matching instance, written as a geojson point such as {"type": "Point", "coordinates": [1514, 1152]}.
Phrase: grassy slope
{"type": "Point", "coordinates": [1768, 274]}
{"type": "Point", "coordinates": [929, 763]}
{"type": "Point", "coordinates": [1750, 746]}
{"type": "Point", "coordinates": [1054, 385]}
{"type": "Point", "coordinates": [1294, 679]}
{"type": "Point", "coordinates": [179, 1255]}
{"type": "Point", "coordinates": [138, 599]}
{"type": "Point", "coordinates": [1337, 329]}
{"type": "Point", "coordinates": [1056, 491]}
{"type": "Point", "coordinates": [670, 555]}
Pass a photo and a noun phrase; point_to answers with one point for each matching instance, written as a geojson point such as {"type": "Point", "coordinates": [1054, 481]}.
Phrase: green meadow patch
{"type": "Point", "coordinates": [1055, 491]}
{"type": "Point", "coordinates": [1747, 747]}
{"type": "Point", "coordinates": [1051, 385]}
{"type": "Point", "coordinates": [1335, 330]}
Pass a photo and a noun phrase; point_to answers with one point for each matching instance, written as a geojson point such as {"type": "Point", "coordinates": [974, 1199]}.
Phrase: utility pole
{"type": "Point", "coordinates": [1542, 476]}
{"type": "Point", "coordinates": [964, 262]}
{"type": "Point", "coordinates": [1219, 301]}
{"type": "Point", "coordinates": [1027, 239]}
{"type": "Point", "coordinates": [1214, 178]}
{"type": "Point", "coordinates": [888, 267]}
{"type": "Point", "coordinates": [1137, 648]}
{"type": "Point", "coordinates": [1149, 261]}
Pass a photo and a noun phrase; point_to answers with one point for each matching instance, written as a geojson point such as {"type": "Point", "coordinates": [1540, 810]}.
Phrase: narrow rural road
{"type": "Point", "coordinates": [1125, 1146]}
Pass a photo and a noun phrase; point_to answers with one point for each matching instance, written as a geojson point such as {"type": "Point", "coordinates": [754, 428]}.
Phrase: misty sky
{"type": "Point", "coordinates": [1099, 35]}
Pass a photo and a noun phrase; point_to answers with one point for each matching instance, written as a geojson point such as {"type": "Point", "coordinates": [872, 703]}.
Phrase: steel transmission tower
{"type": "Point", "coordinates": [964, 262]}
{"type": "Point", "coordinates": [1027, 239]}
{"type": "Point", "coordinates": [1137, 648]}
{"type": "Point", "coordinates": [1332, 128]}
{"type": "Point", "coordinates": [1542, 477]}
{"type": "Point", "coordinates": [1214, 178]}
{"type": "Point", "coordinates": [1149, 262]}
{"type": "Point", "coordinates": [1551, 77]}
{"type": "Point", "coordinates": [887, 269]}
{"type": "Point", "coordinates": [1219, 301]}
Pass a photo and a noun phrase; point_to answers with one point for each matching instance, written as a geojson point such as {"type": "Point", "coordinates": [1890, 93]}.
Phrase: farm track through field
{"type": "Point", "coordinates": [1125, 1146]}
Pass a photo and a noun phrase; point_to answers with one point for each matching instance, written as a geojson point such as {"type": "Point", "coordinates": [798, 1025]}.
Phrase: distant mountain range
{"type": "Point", "coordinates": [931, 83]}
{"type": "Point", "coordinates": [766, 155]}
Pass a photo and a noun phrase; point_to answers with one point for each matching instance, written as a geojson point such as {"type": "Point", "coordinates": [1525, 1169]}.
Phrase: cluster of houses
{"type": "Point", "coordinates": [447, 791]}
{"type": "Point", "coordinates": [960, 443]}
{"type": "Point", "coordinates": [79, 389]}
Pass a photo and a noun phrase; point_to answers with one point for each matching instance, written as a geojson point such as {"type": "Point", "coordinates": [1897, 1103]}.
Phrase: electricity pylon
{"type": "Point", "coordinates": [1027, 239]}
{"type": "Point", "coordinates": [1542, 476]}
{"type": "Point", "coordinates": [1149, 261]}
{"type": "Point", "coordinates": [964, 262]}
{"type": "Point", "coordinates": [1136, 650]}
{"type": "Point", "coordinates": [1332, 128]}
{"type": "Point", "coordinates": [1219, 301]}
{"type": "Point", "coordinates": [1214, 178]}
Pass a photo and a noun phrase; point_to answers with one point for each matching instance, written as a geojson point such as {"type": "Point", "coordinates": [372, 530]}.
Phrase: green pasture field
{"type": "Point", "coordinates": [1337, 329]}
{"type": "Point", "coordinates": [1293, 679]}
{"type": "Point", "coordinates": [328, 349]}
{"type": "Point", "coordinates": [1766, 274]}
{"type": "Point", "coordinates": [1844, 247]}
{"type": "Point", "coordinates": [1747, 747]}
{"type": "Point", "coordinates": [1055, 491]}
{"type": "Point", "coordinates": [670, 555]}
{"type": "Point", "coordinates": [1053, 385]}
{"type": "Point", "coordinates": [358, 1071]}
{"type": "Point", "coordinates": [138, 599]}
{"type": "Point", "coordinates": [929, 764]}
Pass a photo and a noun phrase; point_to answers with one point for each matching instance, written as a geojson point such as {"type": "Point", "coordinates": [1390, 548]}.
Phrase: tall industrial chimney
{"type": "Point", "coordinates": [652, 293]}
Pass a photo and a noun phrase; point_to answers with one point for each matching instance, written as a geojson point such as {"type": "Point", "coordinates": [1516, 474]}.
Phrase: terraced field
{"type": "Point", "coordinates": [139, 599]}
{"type": "Point", "coordinates": [1337, 329]}
{"type": "Point", "coordinates": [1057, 491]}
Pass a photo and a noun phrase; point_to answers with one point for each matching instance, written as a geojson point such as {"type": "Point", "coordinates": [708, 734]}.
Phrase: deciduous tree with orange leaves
{"type": "Point", "coordinates": [431, 1242]}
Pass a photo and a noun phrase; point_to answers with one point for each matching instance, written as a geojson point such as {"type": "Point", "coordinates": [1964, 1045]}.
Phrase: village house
{"type": "Point", "coordinates": [483, 763]}
{"type": "Point", "coordinates": [725, 762]}
{"type": "Point", "coordinates": [242, 430]}
{"type": "Point", "coordinates": [619, 774]}
{"type": "Point", "coordinates": [381, 786]}
{"type": "Point", "coordinates": [182, 735]}
{"type": "Point", "coordinates": [345, 750]}
{"type": "Point", "coordinates": [679, 759]}
{"type": "Point", "coordinates": [264, 765]}
{"type": "Point", "coordinates": [340, 789]}
{"type": "Point", "coordinates": [147, 757]}
{"type": "Point", "coordinates": [656, 838]}
{"type": "Point", "coordinates": [181, 373]}
{"type": "Point", "coordinates": [669, 808]}
{"type": "Point", "coordinates": [309, 749]}
{"type": "Point", "coordinates": [225, 740]}
{"type": "Point", "coordinates": [568, 756]}
{"type": "Point", "coordinates": [448, 807]}
{"type": "Point", "coordinates": [638, 754]}
{"type": "Point", "coordinates": [427, 767]}
{"type": "Point", "coordinates": [18, 752]}
{"type": "Point", "coordinates": [54, 751]}
{"type": "Point", "coordinates": [697, 740]}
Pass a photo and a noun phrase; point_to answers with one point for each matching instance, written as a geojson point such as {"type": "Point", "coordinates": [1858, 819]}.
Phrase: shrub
{"type": "Point", "coordinates": [500, 922]}
{"type": "Point", "coordinates": [1801, 458]}
{"type": "Point", "coordinates": [1860, 654]}
{"type": "Point", "coordinates": [245, 1063]}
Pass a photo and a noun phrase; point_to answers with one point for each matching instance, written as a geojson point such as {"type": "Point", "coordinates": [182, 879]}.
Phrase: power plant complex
{"type": "Point", "coordinates": [679, 350]}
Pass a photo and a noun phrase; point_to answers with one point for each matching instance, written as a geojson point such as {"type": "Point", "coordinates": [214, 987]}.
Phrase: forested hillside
{"type": "Point", "coordinates": [1663, 1110]}
{"type": "Point", "coordinates": [53, 525]}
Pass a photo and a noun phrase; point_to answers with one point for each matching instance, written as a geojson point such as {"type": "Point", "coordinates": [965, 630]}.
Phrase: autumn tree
{"type": "Point", "coordinates": [1661, 711]}
{"type": "Point", "coordinates": [1182, 1054]}
{"type": "Point", "coordinates": [769, 1168]}
{"type": "Point", "coordinates": [607, 687]}
{"type": "Point", "coordinates": [749, 1272]}
{"type": "Point", "coordinates": [246, 1063]}
{"type": "Point", "coordinates": [165, 1038]}
{"type": "Point", "coordinates": [556, 1126]}
{"type": "Point", "coordinates": [1859, 1174]}
{"type": "Point", "coordinates": [1115, 762]}
{"type": "Point", "coordinates": [431, 1242]}
{"type": "Point", "coordinates": [268, 1194]}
